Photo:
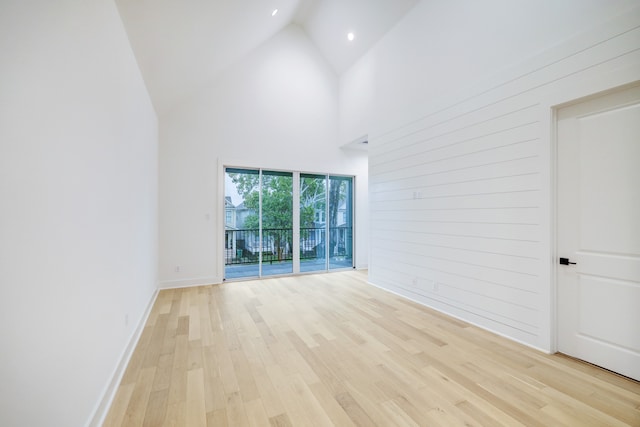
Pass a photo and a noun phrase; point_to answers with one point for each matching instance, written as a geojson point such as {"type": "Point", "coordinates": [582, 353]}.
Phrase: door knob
{"type": "Point", "coordinates": [565, 261]}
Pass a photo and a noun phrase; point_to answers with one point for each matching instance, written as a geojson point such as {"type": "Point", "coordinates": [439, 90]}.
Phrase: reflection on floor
{"type": "Point", "coordinates": [239, 271]}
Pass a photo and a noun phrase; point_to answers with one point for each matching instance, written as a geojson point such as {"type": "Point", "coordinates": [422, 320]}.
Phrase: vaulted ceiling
{"type": "Point", "coordinates": [182, 45]}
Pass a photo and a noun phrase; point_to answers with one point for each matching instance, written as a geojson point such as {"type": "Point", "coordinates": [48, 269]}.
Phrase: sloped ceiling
{"type": "Point", "coordinates": [182, 45]}
{"type": "Point", "coordinates": [328, 22]}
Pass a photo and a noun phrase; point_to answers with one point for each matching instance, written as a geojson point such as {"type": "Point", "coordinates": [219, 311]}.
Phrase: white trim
{"type": "Point", "coordinates": [220, 231]}
{"type": "Point", "coordinates": [327, 233]}
{"type": "Point", "coordinates": [580, 92]}
{"type": "Point", "coordinates": [188, 283]}
{"type": "Point", "coordinates": [296, 223]}
{"type": "Point", "coordinates": [104, 404]}
{"type": "Point", "coordinates": [359, 144]}
{"type": "Point", "coordinates": [484, 328]}
{"type": "Point", "coordinates": [260, 230]}
{"type": "Point", "coordinates": [222, 165]}
{"type": "Point", "coordinates": [354, 232]}
{"type": "Point", "coordinates": [553, 231]}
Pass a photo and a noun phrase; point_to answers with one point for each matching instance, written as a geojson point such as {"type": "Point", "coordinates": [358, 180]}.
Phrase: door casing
{"type": "Point", "coordinates": [553, 116]}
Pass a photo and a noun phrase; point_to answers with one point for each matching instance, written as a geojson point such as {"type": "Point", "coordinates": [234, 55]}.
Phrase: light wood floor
{"type": "Point", "coordinates": [330, 350]}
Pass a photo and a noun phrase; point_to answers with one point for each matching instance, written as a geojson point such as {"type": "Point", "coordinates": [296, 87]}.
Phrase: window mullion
{"type": "Point", "coordinates": [296, 223]}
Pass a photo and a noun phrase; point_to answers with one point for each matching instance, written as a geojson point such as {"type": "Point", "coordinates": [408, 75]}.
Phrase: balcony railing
{"type": "Point", "coordinates": [312, 243]}
{"type": "Point", "coordinates": [243, 246]}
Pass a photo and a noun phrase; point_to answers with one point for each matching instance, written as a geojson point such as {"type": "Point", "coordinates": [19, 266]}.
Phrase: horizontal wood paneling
{"type": "Point", "coordinates": [526, 233]}
{"type": "Point", "coordinates": [615, 44]}
{"type": "Point", "coordinates": [416, 253]}
{"type": "Point", "coordinates": [482, 215]}
{"type": "Point", "coordinates": [474, 305]}
{"type": "Point", "coordinates": [464, 267]}
{"type": "Point", "coordinates": [497, 156]}
{"type": "Point", "coordinates": [507, 247]}
{"type": "Point", "coordinates": [459, 198]}
{"type": "Point", "coordinates": [509, 165]}
{"type": "Point", "coordinates": [485, 135]}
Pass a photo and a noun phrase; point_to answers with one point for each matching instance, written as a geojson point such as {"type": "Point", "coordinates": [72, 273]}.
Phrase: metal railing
{"type": "Point", "coordinates": [243, 246]}
{"type": "Point", "coordinates": [312, 243]}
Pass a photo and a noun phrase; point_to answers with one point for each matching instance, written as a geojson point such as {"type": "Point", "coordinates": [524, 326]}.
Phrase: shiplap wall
{"type": "Point", "coordinates": [461, 197]}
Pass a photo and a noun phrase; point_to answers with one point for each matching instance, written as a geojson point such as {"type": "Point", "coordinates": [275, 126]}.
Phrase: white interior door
{"type": "Point", "coordinates": [599, 229]}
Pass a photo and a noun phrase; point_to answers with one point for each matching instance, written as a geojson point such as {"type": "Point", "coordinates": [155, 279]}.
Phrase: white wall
{"type": "Point", "coordinates": [277, 108]}
{"type": "Point", "coordinates": [78, 227]}
{"type": "Point", "coordinates": [461, 148]}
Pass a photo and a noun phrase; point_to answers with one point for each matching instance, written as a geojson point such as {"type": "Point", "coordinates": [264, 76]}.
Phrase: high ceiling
{"type": "Point", "coordinates": [182, 45]}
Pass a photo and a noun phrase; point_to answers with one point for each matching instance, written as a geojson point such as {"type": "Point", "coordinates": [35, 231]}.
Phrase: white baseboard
{"type": "Point", "coordinates": [101, 411]}
{"type": "Point", "coordinates": [471, 322]}
{"type": "Point", "coordinates": [187, 283]}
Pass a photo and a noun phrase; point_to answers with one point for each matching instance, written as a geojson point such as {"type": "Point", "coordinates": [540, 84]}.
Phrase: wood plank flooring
{"type": "Point", "coordinates": [331, 350]}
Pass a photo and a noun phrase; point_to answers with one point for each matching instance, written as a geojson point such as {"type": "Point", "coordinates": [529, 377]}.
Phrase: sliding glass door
{"type": "Point", "coordinates": [264, 238]}
{"type": "Point", "coordinates": [340, 222]}
{"type": "Point", "coordinates": [242, 223]}
{"type": "Point", "coordinates": [277, 223]}
{"type": "Point", "coordinates": [313, 223]}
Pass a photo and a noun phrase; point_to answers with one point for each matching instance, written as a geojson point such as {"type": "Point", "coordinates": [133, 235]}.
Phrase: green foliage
{"type": "Point", "coordinates": [277, 203]}
{"type": "Point", "coordinates": [336, 196]}
{"type": "Point", "coordinates": [312, 198]}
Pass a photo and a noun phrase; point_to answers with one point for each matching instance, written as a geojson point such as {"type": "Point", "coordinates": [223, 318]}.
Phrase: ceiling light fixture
{"type": "Point", "coordinates": [351, 37]}
{"type": "Point", "coordinates": [275, 12]}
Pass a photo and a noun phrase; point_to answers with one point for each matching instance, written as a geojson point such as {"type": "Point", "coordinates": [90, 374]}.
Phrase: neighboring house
{"type": "Point", "coordinates": [229, 214]}
{"type": "Point", "coordinates": [230, 220]}
{"type": "Point", "coordinates": [313, 238]}
{"type": "Point", "coordinates": [235, 216]}
{"type": "Point", "coordinates": [239, 242]}
{"type": "Point", "coordinates": [242, 212]}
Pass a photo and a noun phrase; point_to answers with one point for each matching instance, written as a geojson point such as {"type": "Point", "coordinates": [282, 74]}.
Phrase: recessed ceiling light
{"type": "Point", "coordinates": [275, 12]}
{"type": "Point", "coordinates": [351, 36]}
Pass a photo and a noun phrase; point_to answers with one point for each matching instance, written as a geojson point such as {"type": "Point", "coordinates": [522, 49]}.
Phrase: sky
{"type": "Point", "coordinates": [230, 190]}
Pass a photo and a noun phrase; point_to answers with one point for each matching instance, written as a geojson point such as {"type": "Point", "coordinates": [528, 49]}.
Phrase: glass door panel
{"type": "Point", "coordinates": [259, 223]}
{"type": "Point", "coordinates": [241, 228]}
{"type": "Point", "coordinates": [313, 224]}
{"type": "Point", "coordinates": [340, 215]}
{"type": "Point", "coordinates": [277, 223]}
